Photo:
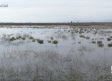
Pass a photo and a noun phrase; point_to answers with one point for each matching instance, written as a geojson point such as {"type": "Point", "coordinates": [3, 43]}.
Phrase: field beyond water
{"type": "Point", "coordinates": [55, 53]}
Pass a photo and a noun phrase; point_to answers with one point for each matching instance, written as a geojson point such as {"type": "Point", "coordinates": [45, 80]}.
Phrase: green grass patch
{"type": "Point", "coordinates": [81, 32]}
{"type": "Point", "coordinates": [100, 45]}
{"type": "Point", "coordinates": [49, 41]}
{"type": "Point", "coordinates": [99, 42]}
{"type": "Point", "coordinates": [87, 37]}
{"type": "Point", "coordinates": [110, 45]}
{"type": "Point", "coordinates": [82, 36]}
{"type": "Point", "coordinates": [11, 39]}
{"type": "Point", "coordinates": [18, 37]}
{"type": "Point", "coordinates": [31, 38]}
{"type": "Point", "coordinates": [94, 42]}
{"type": "Point", "coordinates": [52, 38]}
{"type": "Point", "coordinates": [108, 39]}
{"type": "Point", "coordinates": [55, 42]}
{"type": "Point", "coordinates": [23, 38]}
{"type": "Point", "coordinates": [40, 41]}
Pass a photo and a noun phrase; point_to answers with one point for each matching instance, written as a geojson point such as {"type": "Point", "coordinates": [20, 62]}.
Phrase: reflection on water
{"type": "Point", "coordinates": [55, 53]}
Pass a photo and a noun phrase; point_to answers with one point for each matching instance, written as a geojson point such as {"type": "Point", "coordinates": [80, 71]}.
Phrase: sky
{"type": "Point", "coordinates": [56, 11]}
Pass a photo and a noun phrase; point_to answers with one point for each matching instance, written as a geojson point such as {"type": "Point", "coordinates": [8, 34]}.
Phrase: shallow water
{"type": "Point", "coordinates": [76, 41]}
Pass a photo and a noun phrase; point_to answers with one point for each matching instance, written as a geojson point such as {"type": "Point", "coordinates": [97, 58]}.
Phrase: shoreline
{"type": "Point", "coordinates": [69, 24]}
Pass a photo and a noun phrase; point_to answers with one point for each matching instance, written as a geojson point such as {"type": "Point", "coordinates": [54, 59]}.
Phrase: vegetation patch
{"type": "Point", "coordinates": [12, 39]}
{"type": "Point", "coordinates": [94, 42]}
{"type": "Point", "coordinates": [31, 38]}
{"type": "Point", "coordinates": [55, 42]}
{"type": "Point", "coordinates": [99, 42]}
{"type": "Point", "coordinates": [100, 45]}
{"type": "Point", "coordinates": [110, 36]}
{"type": "Point", "coordinates": [18, 37]}
{"type": "Point", "coordinates": [87, 37]}
{"type": "Point", "coordinates": [79, 42]}
{"type": "Point", "coordinates": [40, 41]}
{"type": "Point", "coordinates": [82, 36]}
{"type": "Point", "coordinates": [108, 39]}
{"type": "Point", "coordinates": [110, 45]}
{"type": "Point", "coordinates": [49, 41]}
{"type": "Point", "coordinates": [23, 38]}
{"type": "Point", "coordinates": [52, 38]}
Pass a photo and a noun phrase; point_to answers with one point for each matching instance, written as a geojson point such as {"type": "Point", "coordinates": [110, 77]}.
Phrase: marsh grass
{"type": "Point", "coordinates": [79, 42]}
{"type": "Point", "coordinates": [12, 39]}
{"type": "Point", "coordinates": [100, 45]}
{"type": "Point", "coordinates": [108, 39]}
{"type": "Point", "coordinates": [102, 38]}
{"type": "Point", "coordinates": [94, 42]}
{"type": "Point", "coordinates": [99, 42]}
{"type": "Point", "coordinates": [18, 37]}
{"type": "Point", "coordinates": [55, 42]}
{"type": "Point", "coordinates": [40, 41]}
{"type": "Point", "coordinates": [87, 37]}
{"type": "Point", "coordinates": [31, 38]}
{"type": "Point", "coordinates": [82, 36]}
{"type": "Point", "coordinates": [81, 32]}
{"type": "Point", "coordinates": [52, 38]}
{"type": "Point", "coordinates": [23, 38]}
{"type": "Point", "coordinates": [110, 36]}
{"type": "Point", "coordinates": [49, 41]}
{"type": "Point", "coordinates": [110, 45]}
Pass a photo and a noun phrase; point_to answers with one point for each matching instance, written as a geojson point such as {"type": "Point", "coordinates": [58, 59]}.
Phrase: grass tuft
{"type": "Point", "coordinates": [12, 39]}
{"type": "Point", "coordinates": [87, 37]}
{"type": "Point", "coordinates": [110, 45]}
{"type": "Point", "coordinates": [82, 36]}
{"type": "Point", "coordinates": [52, 38]}
{"type": "Point", "coordinates": [94, 42]}
{"type": "Point", "coordinates": [40, 41]}
{"type": "Point", "coordinates": [55, 42]}
{"type": "Point", "coordinates": [49, 41]}
{"type": "Point", "coordinates": [31, 38]}
{"type": "Point", "coordinates": [108, 39]}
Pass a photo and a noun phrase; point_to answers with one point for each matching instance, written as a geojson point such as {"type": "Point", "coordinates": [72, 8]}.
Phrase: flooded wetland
{"type": "Point", "coordinates": [55, 53]}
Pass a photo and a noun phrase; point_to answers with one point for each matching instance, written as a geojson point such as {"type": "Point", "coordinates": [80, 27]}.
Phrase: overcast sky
{"type": "Point", "coordinates": [55, 10]}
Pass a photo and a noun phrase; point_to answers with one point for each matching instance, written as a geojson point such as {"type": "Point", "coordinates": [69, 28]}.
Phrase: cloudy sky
{"type": "Point", "coordinates": [55, 10]}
